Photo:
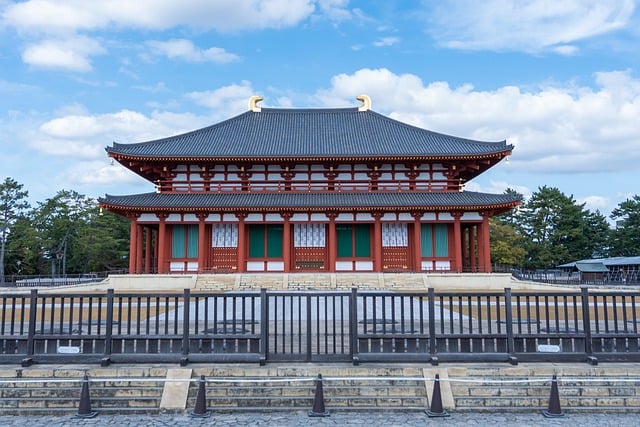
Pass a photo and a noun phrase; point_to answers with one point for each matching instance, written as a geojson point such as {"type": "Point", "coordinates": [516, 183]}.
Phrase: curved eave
{"type": "Point", "coordinates": [495, 208]}
{"type": "Point", "coordinates": [278, 159]}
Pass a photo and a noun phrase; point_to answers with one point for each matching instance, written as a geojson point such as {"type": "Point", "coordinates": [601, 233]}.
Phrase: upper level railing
{"type": "Point", "coordinates": [261, 186]}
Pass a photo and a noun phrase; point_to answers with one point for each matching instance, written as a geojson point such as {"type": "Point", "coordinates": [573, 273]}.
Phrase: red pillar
{"type": "Point", "coordinates": [484, 244]}
{"type": "Point", "coordinates": [457, 242]}
{"type": "Point", "coordinates": [202, 243]}
{"type": "Point", "coordinates": [377, 242]}
{"type": "Point", "coordinates": [162, 244]}
{"type": "Point", "coordinates": [139, 247]}
{"type": "Point", "coordinates": [286, 241]}
{"type": "Point", "coordinates": [473, 253]}
{"type": "Point", "coordinates": [417, 242]}
{"type": "Point", "coordinates": [133, 244]}
{"type": "Point", "coordinates": [332, 244]}
{"type": "Point", "coordinates": [242, 243]}
{"type": "Point", "coordinates": [147, 249]}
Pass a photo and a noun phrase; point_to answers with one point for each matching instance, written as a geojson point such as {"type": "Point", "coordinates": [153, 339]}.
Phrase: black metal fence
{"type": "Point", "coordinates": [356, 326]}
{"type": "Point", "coordinates": [33, 281]}
{"type": "Point", "coordinates": [617, 276]}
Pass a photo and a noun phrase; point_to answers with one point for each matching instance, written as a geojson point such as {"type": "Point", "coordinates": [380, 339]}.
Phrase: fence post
{"type": "Point", "coordinates": [33, 308]}
{"type": "Point", "coordinates": [309, 330]}
{"type": "Point", "coordinates": [432, 326]}
{"type": "Point", "coordinates": [264, 326]}
{"type": "Point", "coordinates": [586, 323]}
{"type": "Point", "coordinates": [185, 327]}
{"type": "Point", "coordinates": [353, 326]}
{"type": "Point", "coordinates": [108, 339]}
{"type": "Point", "coordinates": [509, 319]}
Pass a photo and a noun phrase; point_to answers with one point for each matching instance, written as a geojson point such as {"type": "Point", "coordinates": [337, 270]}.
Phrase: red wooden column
{"type": "Point", "coordinates": [242, 241]}
{"type": "Point", "coordinates": [457, 241]}
{"type": "Point", "coordinates": [139, 241]}
{"type": "Point", "coordinates": [417, 241]}
{"type": "Point", "coordinates": [377, 242]}
{"type": "Point", "coordinates": [473, 253]}
{"type": "Point", "coordinates": [484, 244]}
{"type": "Point", "coordinates": [332, 243]}
{"type": "Point", "coordinates": [286, 241]}
{"type": "Point", "coordinates": [133, 243]}
{"type": "Point", "coordinates": [148, 231]}
{"type": "Point", "coordinates": [202, 242]}
{"type": "Point", "coordinates": [162, 243]}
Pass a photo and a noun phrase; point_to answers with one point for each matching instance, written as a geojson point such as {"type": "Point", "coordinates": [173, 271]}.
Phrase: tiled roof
{"type": "Point", "coordinates": [317, 133]}
{"type": "Point", "coordinates": [608, 262]}
{"type": "Point", "coordinates": [308, 201]}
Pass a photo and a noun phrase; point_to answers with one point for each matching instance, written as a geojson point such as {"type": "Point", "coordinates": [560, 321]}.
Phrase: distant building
{"type": "Point", "coordinates": [616, 269]}
{"type": "Point", "coordinates": [304, 190]}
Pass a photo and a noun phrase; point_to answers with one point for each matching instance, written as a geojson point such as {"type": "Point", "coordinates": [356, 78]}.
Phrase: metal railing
{"type": "Point", "coordinates": [355, 326]}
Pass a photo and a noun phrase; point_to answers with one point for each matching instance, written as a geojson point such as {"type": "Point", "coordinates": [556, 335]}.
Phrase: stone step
{"type": "Point", "coordinates": [579, 393]}
{"type": "Point", "coordinates": [39, 396]}
{"type": "Point", "coordinates": [252, 394]}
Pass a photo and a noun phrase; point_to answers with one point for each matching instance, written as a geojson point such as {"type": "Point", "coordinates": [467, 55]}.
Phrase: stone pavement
{"type": "Point", "coordinates": [285, 419]}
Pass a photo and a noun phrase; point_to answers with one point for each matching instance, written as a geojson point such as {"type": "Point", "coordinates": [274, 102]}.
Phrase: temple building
{"type": "Point", "coordinates": [309, 190]}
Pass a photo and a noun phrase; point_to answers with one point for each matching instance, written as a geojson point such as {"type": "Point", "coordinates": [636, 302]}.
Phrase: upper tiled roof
{"type": "Point", "coordinates": [316, 133]}
{"type": "Point", "coordinates": [465, 200]}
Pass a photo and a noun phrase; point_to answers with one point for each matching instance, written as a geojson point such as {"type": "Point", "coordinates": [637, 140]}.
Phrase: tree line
{"type": "Point", "coordinates": [551, 229]}
{"type": "Point", "coordinates": [67, 234]}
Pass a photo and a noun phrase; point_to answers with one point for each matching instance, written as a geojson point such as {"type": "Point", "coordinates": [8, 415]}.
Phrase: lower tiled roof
{"type": "Point", "coordinates": [466, 200]}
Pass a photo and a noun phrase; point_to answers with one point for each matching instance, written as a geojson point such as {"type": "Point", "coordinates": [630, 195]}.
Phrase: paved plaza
{"type": "Point", "coordinates": [377, 419]}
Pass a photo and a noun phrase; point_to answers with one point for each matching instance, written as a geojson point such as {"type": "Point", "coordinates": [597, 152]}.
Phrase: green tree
{"type": "Point", "coordinates": [511, 217]}
{"type": "Point", "coordinates": [58, 222]}
{"type": "Point", "coordinates": [507, 245]}
{"type": "Point", "coordinates": [104, 242]}
{"type": "Point", "coordinates": [626, 237]}
{"type": "Point", "coordinates": [598, 235]}
{"type": "Point", "coordinates": [24, 249]}
{"type": "Point", "coordinates": [12, 205]}
{"type": "Point", "coordinates": [559, 230]}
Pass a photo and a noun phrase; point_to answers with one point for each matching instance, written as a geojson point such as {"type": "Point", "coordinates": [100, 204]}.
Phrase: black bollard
{"type": "Point", "coordinates": [554, 410]}
{"type": "Point", "coordinates": [84, 409]}
{"type": "Point", "coordinates": [435, 410]}
{"type": "Point", "coordinates": [200, 409]}
{"type": "Point", "coordinates": [318, 409]}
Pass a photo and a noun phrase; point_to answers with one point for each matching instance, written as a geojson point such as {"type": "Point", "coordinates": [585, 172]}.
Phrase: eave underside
{"type": "Point", "coordinates": [154, 168]}
{"type": "Point", "coordinates": [282, 202]}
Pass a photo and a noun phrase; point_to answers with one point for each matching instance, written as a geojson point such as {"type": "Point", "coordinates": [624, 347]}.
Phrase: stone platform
{"type": "Point", "coordinates": [408, 282]}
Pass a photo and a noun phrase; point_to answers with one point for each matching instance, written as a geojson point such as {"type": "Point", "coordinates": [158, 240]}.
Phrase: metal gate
{"type": "Point", "coordinates": [308, 327]}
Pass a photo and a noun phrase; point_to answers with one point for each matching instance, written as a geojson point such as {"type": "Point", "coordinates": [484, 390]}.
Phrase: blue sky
{"type": "Point", "coordinates": [558, 79]}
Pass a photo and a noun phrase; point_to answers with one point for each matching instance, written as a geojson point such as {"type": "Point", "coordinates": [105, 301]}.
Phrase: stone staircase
{"type": "Point", "coordinates": [294, 389]}
{"type": "Point", "coordinates": [521, 388]}
{"type": "Point", "coordinates": [246, 387]}
{"type": "Point", "coordinates": [58, 390]}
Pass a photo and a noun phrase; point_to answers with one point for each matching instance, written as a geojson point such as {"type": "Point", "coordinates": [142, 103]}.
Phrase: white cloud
{"type": "Point", "coordinates": [70, 16]}
{"type": "Point", "coordinates": [531, 26]}
{"type": "Point", "coordinates": [225, 101]}
{"type": "Point", "coordinates": [101, 173]}
{"type": "Point", "coordinates": [336, 10]}
{"type": "Point", "coordinates": [498, 187]}
{"type": "Point", "coordinates": [554, 129]}
{"type": "Point", "coordinates": [595, 203]}
{"type": "Point", "coordinates": [50, 25]}
{"type": "Point", "coordinates": [71, 54]}
{"type": "Point", "coordinates": [185, 50]}
{"type": "Point", "coordinates": [85, 136]}
{"type": "Point", "coordinates": [386, 41]}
